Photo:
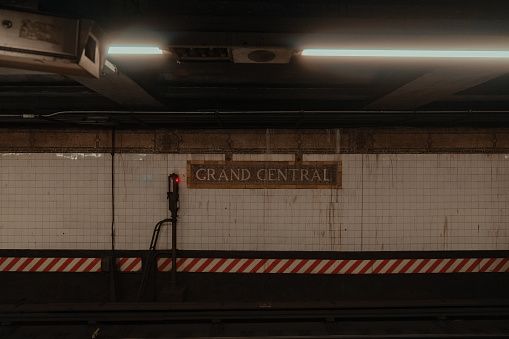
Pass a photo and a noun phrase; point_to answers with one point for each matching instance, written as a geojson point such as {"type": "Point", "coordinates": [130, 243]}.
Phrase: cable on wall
{"type": "Point", "coordinates": [113, 189]}
{"type": "Point", "coordinates": [112, 258]}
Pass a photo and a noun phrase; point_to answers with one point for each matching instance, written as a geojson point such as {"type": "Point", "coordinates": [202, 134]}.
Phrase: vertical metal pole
{"type": "Point", "coordinates": [174, 249]}
{"type": "Point", "coordinates": [173, 197]}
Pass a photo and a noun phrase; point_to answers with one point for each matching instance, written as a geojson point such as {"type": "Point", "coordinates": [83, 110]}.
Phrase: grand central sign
{"type": "Point", "coordinates": [263, 174]}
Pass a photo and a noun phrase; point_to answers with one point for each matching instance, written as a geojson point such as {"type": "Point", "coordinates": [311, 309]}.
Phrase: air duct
{"type": "Point", "coordinates": [51, 44]}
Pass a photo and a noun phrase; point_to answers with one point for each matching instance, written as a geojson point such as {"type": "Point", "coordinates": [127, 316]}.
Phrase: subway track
{"type": "Point", "coordinates": [256, 320]}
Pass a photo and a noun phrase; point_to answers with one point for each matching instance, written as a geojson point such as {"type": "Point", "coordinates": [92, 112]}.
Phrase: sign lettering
{"type": "Point", "coordinates": [263, 174]}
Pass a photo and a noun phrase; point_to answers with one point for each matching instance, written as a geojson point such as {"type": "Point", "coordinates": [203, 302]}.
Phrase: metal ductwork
{"type": "Point", "coordinates": [51, 44]}
{"type": "Point", "coordinates": [240, 55]}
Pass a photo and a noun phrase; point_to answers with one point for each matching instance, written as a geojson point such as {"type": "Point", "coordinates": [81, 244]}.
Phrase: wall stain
{"type": "Point", "coordinates": [331, 217]}
{"type": "Point", "coordinates": [445, 233]}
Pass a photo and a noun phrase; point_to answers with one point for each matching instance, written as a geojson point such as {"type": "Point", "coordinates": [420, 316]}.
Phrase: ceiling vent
{"type": "Point", "coordinates": [262, 55]}
{"type": "Point", "coordinates": [201, 53]}
{"type": "Point", "coordinates": [51, 44]}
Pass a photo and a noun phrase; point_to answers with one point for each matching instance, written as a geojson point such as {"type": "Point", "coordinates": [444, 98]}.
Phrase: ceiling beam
{"type": "Point", "coordinates": [477, 97]}
{"type": "Point", "coordinates": [45, 91]}
{"type": "Point", "coordinates": [435, 85]}
{"type": "Point", "coordinates": [120, 88]}
{"type": "Point", "coordinates": [288, 93]}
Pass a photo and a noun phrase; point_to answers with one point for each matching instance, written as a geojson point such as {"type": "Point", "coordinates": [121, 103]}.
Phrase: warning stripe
{"type": "Point", "coordinates": [501, 264]}
{"type": "Point", "coordinates": [299, 266]}
{"type": "Point", "coordinates": [326, 266]}
{"type": "Point", "coordinates": [281, 266]}
{"type": "Point", "coordinates": [19, 264]}
{"type": "Point", "coordinates": [92, 264]}
{"type": "Point", "coordinates": [487, 265]}
{"type": "Point", "coordinates": [460, 266]}
{"type": "Point", "coordinates": [163, 263]}
{"type": "Point", "coordinates": [37, 265]}
{"type": "Point", "coordinates": [380, 266]}
{"type": "Point", "coordinates": [128, 264]}
{"type": "Point", "coordinates": [51, 264]}
{"type": "Point", "coordinates": [340, 265]}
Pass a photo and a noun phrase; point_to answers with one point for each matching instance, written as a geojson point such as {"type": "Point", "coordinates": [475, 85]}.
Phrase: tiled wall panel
{"type": "Point", "coordinates": [56, 201]}
{"type": "Point", "coordinates": [389, 202]}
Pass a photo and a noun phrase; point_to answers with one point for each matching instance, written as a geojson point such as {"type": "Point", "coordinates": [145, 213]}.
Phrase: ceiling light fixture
{"type": "Point", "coordinates": [134, 50]}
{"type": "Point", "coordinates": [402, 53]}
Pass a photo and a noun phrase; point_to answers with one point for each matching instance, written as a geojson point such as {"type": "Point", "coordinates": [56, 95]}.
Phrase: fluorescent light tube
{"type": "Point", "coordinates": [402, 53]}
{"type": "Point", "coordinates": [134, 50]}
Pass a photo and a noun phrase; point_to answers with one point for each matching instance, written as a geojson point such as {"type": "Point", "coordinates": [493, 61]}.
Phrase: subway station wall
{"type": "Point", "coordinates": [388, 202]}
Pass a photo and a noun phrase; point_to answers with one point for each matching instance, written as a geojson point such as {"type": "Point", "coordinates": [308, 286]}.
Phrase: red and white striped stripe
{"type": "Point", "coordinates": [129, 264]}
{"type": "Point", "coordinates": [325, 266]}
{"type": "Point", "coordinates": [17, 264]}
{"type": "Point", "coordinates": [295, 266]}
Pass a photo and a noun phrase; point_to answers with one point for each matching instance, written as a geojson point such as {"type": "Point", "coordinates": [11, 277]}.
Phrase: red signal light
{"type": "Point", "coordinates": [177, 179]}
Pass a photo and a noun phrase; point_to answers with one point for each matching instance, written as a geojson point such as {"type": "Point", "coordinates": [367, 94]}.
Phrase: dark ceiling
{"type": "Point", "coordinates": [200, 83]}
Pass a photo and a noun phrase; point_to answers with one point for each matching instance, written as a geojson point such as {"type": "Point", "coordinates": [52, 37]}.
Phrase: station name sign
{"type": "Point", "coordinates": [263, 174]}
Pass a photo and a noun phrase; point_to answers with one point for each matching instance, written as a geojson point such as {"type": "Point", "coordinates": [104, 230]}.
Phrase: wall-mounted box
{"type": "Point", "coordinates": [51, 44]}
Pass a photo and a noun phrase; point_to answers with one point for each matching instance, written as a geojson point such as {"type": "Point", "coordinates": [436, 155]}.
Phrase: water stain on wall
{"type": "Point", "coordinates": [445, 234]}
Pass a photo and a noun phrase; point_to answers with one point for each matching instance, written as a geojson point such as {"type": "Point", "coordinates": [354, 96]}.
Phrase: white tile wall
{"type": "Point", "coordinates": [57, 201]}
{"type": "Point", "coordinates": [387, 203]}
